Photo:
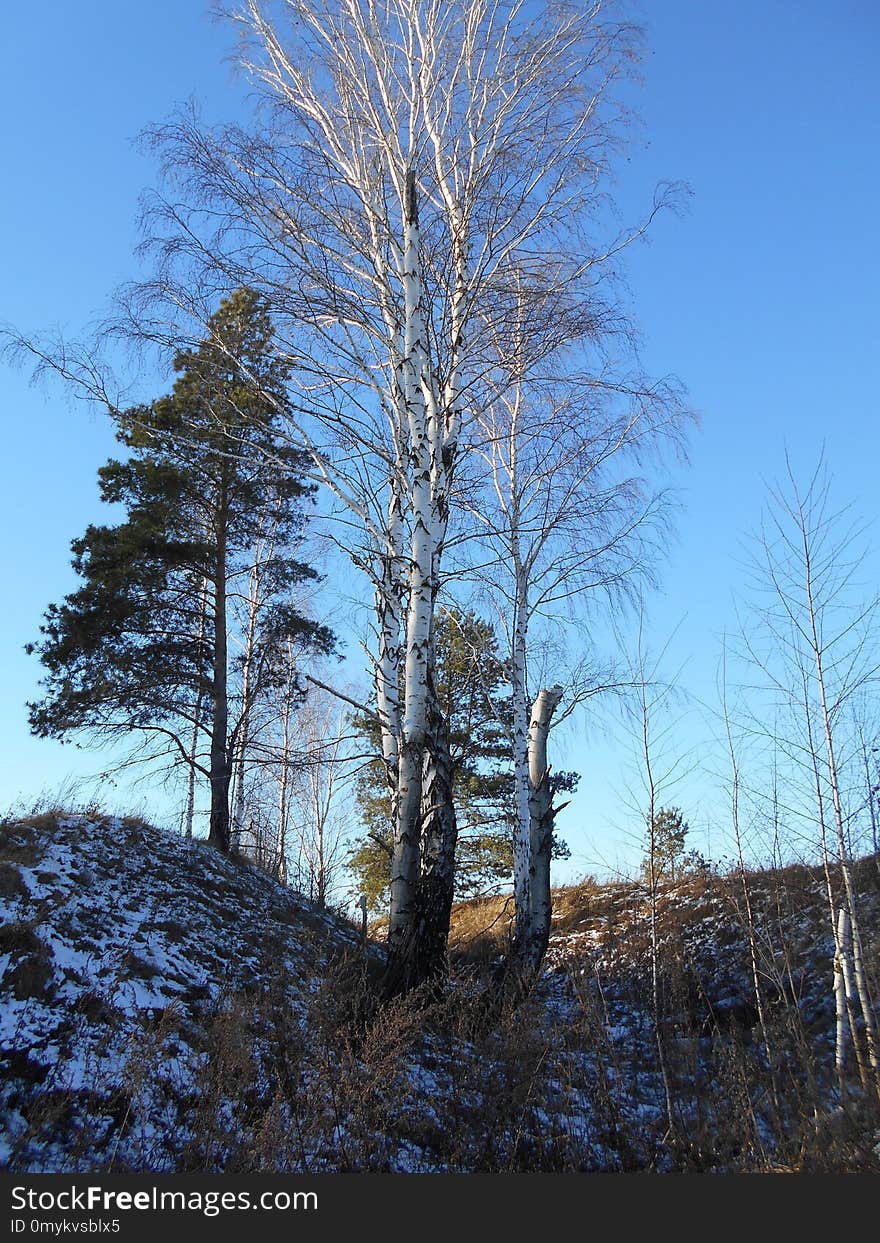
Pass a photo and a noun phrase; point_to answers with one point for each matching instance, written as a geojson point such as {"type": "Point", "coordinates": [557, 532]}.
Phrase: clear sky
{"type": "Point", "coordinates": [762, 299]}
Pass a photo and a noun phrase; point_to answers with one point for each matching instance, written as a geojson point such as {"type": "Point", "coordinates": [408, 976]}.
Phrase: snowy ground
{"type": "Point", "coordinates": [118, 942]}
{"type": "Point", "coordinates": [163, 1008]}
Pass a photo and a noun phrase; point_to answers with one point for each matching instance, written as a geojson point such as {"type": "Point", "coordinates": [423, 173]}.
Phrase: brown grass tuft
{"type": "Point", "coordinates": [30, 972]}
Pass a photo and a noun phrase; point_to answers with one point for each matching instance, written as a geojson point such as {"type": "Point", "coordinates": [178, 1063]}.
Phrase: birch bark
{"type": "Point", "coordinates": [491, 120]}
{"type": "Point", "coordinates": [405, 864]}
{"type": "Point", "coordinates": [541, 816]}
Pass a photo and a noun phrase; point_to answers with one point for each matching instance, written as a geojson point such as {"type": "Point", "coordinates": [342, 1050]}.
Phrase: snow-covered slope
{"type": "Point", "coordinates": [118, 945]}
{"type": "Point", "coordinates": [162, 1008]}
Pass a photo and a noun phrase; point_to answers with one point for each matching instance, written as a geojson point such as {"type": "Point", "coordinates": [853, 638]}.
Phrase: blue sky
{"type": "Point", "coordinates": [762, 299]}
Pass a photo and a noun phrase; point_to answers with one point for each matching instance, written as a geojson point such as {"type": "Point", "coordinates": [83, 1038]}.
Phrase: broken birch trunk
{"type": "Point", "coordinates": [532, 897]}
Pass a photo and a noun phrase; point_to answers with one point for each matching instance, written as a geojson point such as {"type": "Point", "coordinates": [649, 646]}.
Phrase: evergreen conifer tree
{"type": "Point", "coordinates": [145, 643]}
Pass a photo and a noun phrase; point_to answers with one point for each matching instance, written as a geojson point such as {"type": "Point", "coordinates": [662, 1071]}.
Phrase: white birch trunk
{"type": "Point", "coordinates": [841, 953]}
{"type": "Point", "coordinates": [861, 983]}
{"type": "Point", "coordinates": [749, 913]}
{"type": "Point", "coordinates": [541, 816]}
{"type": "Point", "coordinates": [424, 843]}
{"type": "Point", "coordinates": [842, 994]}
{"type": "Point", "coordinates": [405, 862]}
{"type": "Point", "coordinates": [533, 904]}
{"type": "Point", "coordinates": [387, 668]}
{"type": "Point", "coordinates": [520, 730]}
{"type": "Point", "coordinates": [191, 787]}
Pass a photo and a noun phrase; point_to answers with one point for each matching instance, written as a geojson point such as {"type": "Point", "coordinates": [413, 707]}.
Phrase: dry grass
{"type": "Point", "coordinates": [18, 846]}
{"type": "Point", "coordinates": [11, 882]}
{"type": "Point", "coordinates": [480, 929]}
{"type": "Point", "coordinates": [30, 971]}
{"type": "Point", "coordinates": [303, 1068]}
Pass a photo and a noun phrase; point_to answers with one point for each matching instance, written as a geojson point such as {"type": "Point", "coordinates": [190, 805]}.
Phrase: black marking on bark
{"type": "Point", "coordinates": [411, 205]}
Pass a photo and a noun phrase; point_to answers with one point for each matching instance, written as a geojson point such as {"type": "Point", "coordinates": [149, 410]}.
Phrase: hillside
{"type": "Point", "coordinates": [120, 947]}
{"type": "Point", "coordinates": [166, 1009]}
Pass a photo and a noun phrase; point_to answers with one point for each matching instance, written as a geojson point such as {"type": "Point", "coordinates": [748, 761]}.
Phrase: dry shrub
{"type": "Point", "coordinates": [502, 1114]}
{"type": "Point", "coordinates": [278, 1090]}
{"type": "Point", "coordinates": [17, 845]}
{"type": "Point", "coordinates": [11, 882]}
{"type": "Point", "coordinates": [30, 971]}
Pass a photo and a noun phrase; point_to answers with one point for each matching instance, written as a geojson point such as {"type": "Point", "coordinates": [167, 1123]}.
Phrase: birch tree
{"type": "Point", "coordinates": [411, 155]}
{"type": "Point", "coordinates": [817, 650]}
{"type": "Point", "coordinates": [319, 801]}
{"type": "Point", "coordinates": [659, 769]}
{"type": "Point", "coordinates": [564, 519]}
{"type": "Point", "coordinates": [472, 687]}
{"type": "Point", "coordinates": [755, 958]}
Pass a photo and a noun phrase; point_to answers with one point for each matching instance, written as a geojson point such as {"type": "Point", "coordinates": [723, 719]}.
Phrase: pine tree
{"type": "Point", "coordinates": [671, 860]}
{"type": "Point", "coordinates": [144, 644]}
